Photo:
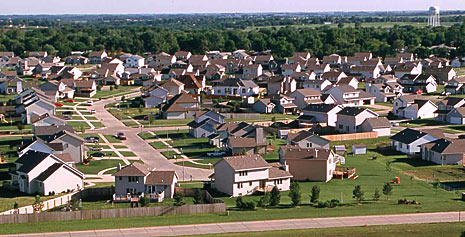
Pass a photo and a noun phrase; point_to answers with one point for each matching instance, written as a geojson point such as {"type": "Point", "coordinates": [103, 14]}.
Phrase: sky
{"type": "Point", "coordinates": [8, 7]}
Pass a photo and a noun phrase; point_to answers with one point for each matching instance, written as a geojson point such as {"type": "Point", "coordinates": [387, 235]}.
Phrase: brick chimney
{"type": "Point", "coordinates": [259, 136]}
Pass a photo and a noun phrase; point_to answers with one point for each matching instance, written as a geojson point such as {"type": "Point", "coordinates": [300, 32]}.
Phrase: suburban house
{"type": "Point", "coordinates": [456, 116]}
{"type": "Point", "coordinates": [289, 69]}
{"type": "Point", "coordinates": [319, 85]}
{"type": "Point", "coordinates": [408, 68]}
{"type": "Point", "coordinates": [333, 76]}
{"type": "Point", "coordinates": [323, 113]}
{"type": "Point", "coordinates": [443, 75]}
{"type": "Point", "coordinates": [192, 84]}
{"type": "Point", "coordinates": [46, 120]}
{"type": "Point", "coordinates": [84, 88]}
{"type": "Point", "coordinates": [63, 140]}
{"type": "Point", "coordinates": [204, 123]}
{"type": "Point", "coordinates": [409, 141]}
{"type": "Point", "coordinates": [249, 144]}
{"type": "Point", "coordinates": [281, 85]}
{"type": "Point", "coordinates": [350, 119]}
{"type": "Point", "coordinates": [308, 164]}
{"type": "Point", "coordinates": [264, 106]}
{"type": "Point", "coordinates": [224, 131]}
{"type": "Point", "coordinates": [455, 86]}
{"type": "Point", "coordinates": [96, 57]}
{"type": "Point", "coordinates": [235, 87]}
{"type": "Point", "coordinates": [45, 174]}
{"type": "Point", "coordinates": [154, 96]}
{"type": "Point", "coordinates": [416, 109]}
{"type": "Point", "coordinates": [384, 92]}
{"type": "Point", "coordinates": [365, 72]}
{"type": "Point", "coordinates": [418, 83]}
{"type": "Point", "coordinates": [350, 81]}
{"type": "Point", "coordinates": [252, 71]}
{"type": "Point", "coordinates": [284, 104]}
{"type": "Point", "coordinates": [444, 151]}
{"type": "Point", "coordinates": [304, 97]}
{"type": "Point", "coordinates": [141, 180]}
{"type": "Point", "coordinates": [348, 96]}
{"type": "Point", "coordinates": [446, 105]}
{"type": "Point", "coordinates": [37, 107]}
{"type": "Point", "coordinates": [245, 175]}
{"type": "Point", "coordinates": [76, 60]}
{"type": "Point", "coordinates": [53, 86]}
{"type": "Point", "coordinates": [182, 106]}
{"type": "Point", "coordinates": [133, 61]}
{"type": "Point", "coordinates": [306, 139]}
{"type": "Point", "coordinates": [380, 125]}
{"type": "Point", "coordinates": [173, 86]}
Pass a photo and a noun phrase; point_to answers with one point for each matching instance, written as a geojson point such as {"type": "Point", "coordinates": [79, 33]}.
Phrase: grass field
{"type": "Point", "coordinates": [127, 153]}
{"type": "Point", "coordinates": [122, 90]}
{"type": "Point", "coordinates": [158, 145]}
{"type": "Point", "coordinates": [112, 139]}
{"type": "Point", "coordinates": [97, 165]}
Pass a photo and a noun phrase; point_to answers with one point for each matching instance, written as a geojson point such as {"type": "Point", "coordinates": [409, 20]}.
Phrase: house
{"type": "Point", "coordinates": [183, 55]}
{"type": "Point", "coordinates": [235, 87]}
{"type": "Point", "coordinates": [252, 71]}
{"type": "Point", "coordinates": [304, 97]}
{"type": "Point", "coordinates": [350, 119]}
{"type": "Point", "coordinates": [46, 120]}
{"type": "Point", "coordinates": [112, 79]}
{"type": "Point", "coordinates": [45, 174]}
{"type": "Point", "coordinates": [284, 104]}
{"type": "Point", "coordinates": [224, 131]}
{"type": "Point", "coordinates": [182, 106]}
{"type": "Point", "coordinates": [333, 76]}
{"type": "Point", "coordinates": [245, 175]}
{"type": "Point", "coordinates": [323, 113]}
{"type": "Point", "coordinates": [332, 59]}
{"type": "Point", "coordinates": [204, 123]}
{"type": "Point", "coordinates": [408, 68]}
{"type": "Point", "coordinates": [308, 164]}
{"type": "Point", "coordinates": [173, 86]}
{"type": "Point", "coordinates": [57, 86]}
{"type": "Point", "coordinates": [63, 139]}
{"type": "Point", "coordinates": [372, 71]}
{"type": "Point", "coordinates": [405, 57]}
{"type": "Point", "coordinates": [418, 109]}
{"type": "Point", "coordinates": [84, 88]}
{"type": "Point", "coordinates": [403, 102]}
{"type": "Point", "coordinates": [456, 116]}
{"type": "Point", "coordinates": [319, 69]}
{"type": "Point", "coordinates": [444, 151]}
{"type": "Point", "coordinates": [133, 61]}
{"type": "Point", "coordinates": [455, 86]}
{"type": "Point", "coordinates": [154, 96]}
{"type": "Point", "coordinates": [277, 85]}
{"type": "Point", "coordinates": [319, 85]}
{"type": "Point", "coordinates": [38, 54]}
{"type": "Point", "coordinates": [418, 83]}
{"type": "Point", "coordinates": [96, 57]}
{"type": "Point", "coordinates": [446, 105]}
{"type": "Point", "coordinates": [289, 69]}
{"type": "Point", "coordinates": [192, 84]}
{"type": "Point", "coordinates": [264, 106]}
{"type": "Point", "coordinates": [76, 60]}
{"type": "Point", "coordinates": [137, 179]}
{"type": "Point", "coordinates": [253, 144]}
{"type": "Point", "coordinates": [161, 60]}
{"type": "Point", "coordinates": [380, 125]}
{"type": "Point", "coordinates": [36, 108]}
{"type": "Point", "coordinates": [442, 75]}
{"type": "Point", "coordinates": [350, 81]}
{"type": "Point", "coordinates": [306, 139]}
{"type": "Point", "coordinates": [348, 96]}
{"type": "Point", "coordinates": [382, 92]}
{"type": "Point", "coordinates": [409, 141]}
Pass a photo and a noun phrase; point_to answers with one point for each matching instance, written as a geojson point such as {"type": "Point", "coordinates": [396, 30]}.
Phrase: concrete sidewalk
{"type": "Point", "coordinates": [251, 226]}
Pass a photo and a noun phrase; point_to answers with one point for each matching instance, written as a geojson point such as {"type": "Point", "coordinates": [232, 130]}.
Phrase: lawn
{"type": "Point", "coordinates": [128, 153]}
{"type": "Point", "coordinates": [97, 165]}
{"type": "Point", "coordinates": [146, 135]}
{"type": "Point", "coordinates": [120, 146]}
{"type": "Point", "coordinates": [413, 230]}
{"type": "Point", "coordinates": [122, 90]}
{"type": "Point", "coordinates": [443, 173]}
{"type": "Point", "coordinates": [172, 134]}
{"type": "Point", "coordinates": [168, 154]}
{"type": "Point", "coordinates": [158, 145]}
{"type": "Point", "coordinates": [112, 139]}
{"type": "Point", "coordinates": [130, 123]}
{"type": "Point", "coordinates": [190, 164]}
{"type": "Point", "coordinates": [128, 113]}
{"type": "Point", "coordinates": [416, 123]}
{"type": "Point", "coordinates": [8, 199]}
{"type": "Point", "coordinates": [78, 125]}
{"type": "Point", "coordinates": [97, 124]}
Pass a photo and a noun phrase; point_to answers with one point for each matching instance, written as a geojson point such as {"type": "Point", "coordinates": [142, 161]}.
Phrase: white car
{"type": "Point", "coordinates": [90, 102]}
{"type": "Point", "coordinates": [92, 111]}
{"type": "Point", "coordinates": [216, 153]}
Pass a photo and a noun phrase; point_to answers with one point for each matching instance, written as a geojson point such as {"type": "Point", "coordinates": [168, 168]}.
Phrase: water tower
{"type": "Point", "coordinates": [434, 19]}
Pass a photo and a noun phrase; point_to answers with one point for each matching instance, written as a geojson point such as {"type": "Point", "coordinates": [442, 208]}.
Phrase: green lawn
{"type": "Point", "coordinates": [78, 125]}
{"type": "Point", "coordinates": [120, 146]}
{"type": "Point", "coordinates": [127, 113]}
{"type": "Point", "coordinates": [169, 154]}
{"type": "Point", "coordinates": [7, 97]}
{"type": "Point", "coordinates": [131, 123]}
{"type": "Point", "coordinates": [97, 165]}
{"type": "Point", "coordinates": [127, 153]}
{"type": "Point", "coordinates": [97, 124]}
{"type": "Point", "coordinates": [172, 134]}
{"type": "Point", "coordinates": [146, 135]}
{"type": "Point", "coordinates": [416, 123]}
{"type": "Point", "coordinates": [413, 230]}
{"type": "Point", "coordinates": [385, 104]}
{"type": "Point", "coordinates": [8, 199]}
{"type": "Point", "coordinates": [122, 90]}
{"type": "Point", "coordinates": [158, 145]}
{"type": "Point", "coordinates": [112, 139]}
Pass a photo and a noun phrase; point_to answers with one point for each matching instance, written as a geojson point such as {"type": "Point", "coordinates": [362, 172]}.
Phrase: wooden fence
{"type": "Point", "coordinates": [114, 213]}
{"type": "Point", "coordinates": [241, 115]}
{"type": "Point", "coordinates": [351, 136]}
{"type": "Point", "coordinates": [191, 192]}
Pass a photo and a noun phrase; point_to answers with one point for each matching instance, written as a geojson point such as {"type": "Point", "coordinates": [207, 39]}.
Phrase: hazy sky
{"type": "Point", "coordinates": [214, 6]}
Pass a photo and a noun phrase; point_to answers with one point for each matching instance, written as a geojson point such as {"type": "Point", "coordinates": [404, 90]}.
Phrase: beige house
{"type": "Point", "coordinates": [350, 119]}
{"type": "Point", "coordinates": [245, 175]}
{"type": "Point", "coordinates": [444, 151]}
{"type": "Point", "coordinates": [308, 164]}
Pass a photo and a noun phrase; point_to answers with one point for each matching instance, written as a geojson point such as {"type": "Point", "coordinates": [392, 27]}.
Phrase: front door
{"type": "Point", "coordinates": [262, 184]}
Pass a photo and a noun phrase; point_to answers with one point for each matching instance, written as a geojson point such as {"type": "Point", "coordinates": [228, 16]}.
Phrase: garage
{"type": "Point", "coordinates": [456, 120]}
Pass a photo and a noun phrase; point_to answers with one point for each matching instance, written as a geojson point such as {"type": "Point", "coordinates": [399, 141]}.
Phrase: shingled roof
{"type": "Point", "coordinates": [134, 169]}
{"type": "Point", "coordinates": [247, 162]}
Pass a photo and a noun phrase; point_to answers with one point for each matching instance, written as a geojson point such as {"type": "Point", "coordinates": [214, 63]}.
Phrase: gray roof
{"type": "Point", "coordinates": [246, 162]}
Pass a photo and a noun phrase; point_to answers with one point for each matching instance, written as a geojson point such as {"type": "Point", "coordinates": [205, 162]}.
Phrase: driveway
{"type": "Point", "coordinates": [140, 147]}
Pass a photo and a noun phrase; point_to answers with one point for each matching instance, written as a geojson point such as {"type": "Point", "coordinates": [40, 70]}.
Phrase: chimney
{"type": "Point", "coordinates": [316, 153]}
{"type": "Point", "coordinates": [259, 136]}
{"type": "Point", "coordinates": [118, 167]}
{"type": "Point", "coordinates": [286, 166]}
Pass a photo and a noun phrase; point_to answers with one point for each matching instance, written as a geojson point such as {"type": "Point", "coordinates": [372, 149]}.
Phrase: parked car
{"type": "Point", "coordinates": [68, 112]}
{"type": "Point", "coordinates": [67, 117]}
{"type": "Point", "coordinates": [216, 153]}
{"type": "Point", "coordinates": [69, 100]}
{"type": "Point", "coordinates": [98, 154]}
{"type": "Point", "coordinates": [92, 111]}
{"type": "Point", "coordinates": [95, 148]}
{"type": "Point", "coordinates": [90, 102]}
{"type": "Point", "coordinates": [92, 139]}
{"type": "Point", "coordinates": [395, 124]}
{"type": "Point", "coordinates": [58, 104]}
{"type": "Point", "coordinates": [121, 136]}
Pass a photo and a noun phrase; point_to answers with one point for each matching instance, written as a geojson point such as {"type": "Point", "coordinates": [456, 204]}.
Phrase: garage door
{"type": "Point", "coordinates": [456, 120]}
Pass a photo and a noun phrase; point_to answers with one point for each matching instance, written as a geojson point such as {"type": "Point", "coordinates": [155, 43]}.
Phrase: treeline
{"type": "Point", "coordinates": [283, 41]}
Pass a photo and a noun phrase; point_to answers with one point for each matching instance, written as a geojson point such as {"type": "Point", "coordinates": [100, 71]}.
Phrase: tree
{"type": "Point", "coordinates": [376, 195]}
{"type": "Point", "coordinates": [436, 185]}
{"type": "Point", "coordinates": [199, 197]}
{"type": "Point", "coordinates": [358, 194]}
{"type": "Point", "coordinates": [178, 199]}
{"type": "Point", "coordinates": [264, 200]}
{"type": "Point", "coordinates": [275, 196]}
{"type": "Point", "coordinates": [315, 194]}
{"type": "Point", "coordinates": [111, 88]}
{"type": "Point", "coordinates": [387, 190]}
{"type": "Point", "coordinates": [141, 109]}
{"type": "Point", "coordinates": [295, 194]}
{"type": "Point", "coordinates": [145, 201]}
{"type": "Point", "coordinates": [123, 98]}
{"type": "Point", "coordinates": [20, 126]}
{"type": "Point", "coordinates": [388, 166]}
{"type": "Point", "coordinates": [239, 202]}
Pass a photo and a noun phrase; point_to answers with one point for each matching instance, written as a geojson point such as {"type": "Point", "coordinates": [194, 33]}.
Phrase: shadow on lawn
{"type": "Point", "coordinates": [413, 162]}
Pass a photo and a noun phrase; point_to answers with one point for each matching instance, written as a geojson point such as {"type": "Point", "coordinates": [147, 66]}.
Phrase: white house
{"type": "Point", "coordinates": [350, 119]}
{"type": "Point", "coordinates": [419, 109]}
{"type": "Point", "coordinates": [245, 175]}
{"type": "Point", "coordinates": [134, 61]}
{"type": "Point", "coordinates": [409, 141]}
{"type": "Point", "coordinates": [348, 96]}
{"type": "Point", "coordinates": [323, 113]}
{"type": "Point", "coordinates": [46, 174]}
{"type": "Point", "coordinates": [444, 151]}
{"type": "Point", "coordinates": [236, 87]}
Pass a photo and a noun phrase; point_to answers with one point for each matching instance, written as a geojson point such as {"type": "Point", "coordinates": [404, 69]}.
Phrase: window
{"type": "Point", "coordinates": [120, 178]}
{"type": "Point", "coordinates": [278, 181]}
{"type": "Point", "coordinates": [408, 146]}
{"type": "Point", "coordinates": [133, 179]}
{"type": "Point", "coordinates": [243, 173]}
{"type": "Point", "coordinates": [239, 185]}
{"type": "Point", "coordinates": [250, 183]}
{"type": "Point", "coordinates": [341, 126]}
{"type": "Point", "coordinates": [243, 91]}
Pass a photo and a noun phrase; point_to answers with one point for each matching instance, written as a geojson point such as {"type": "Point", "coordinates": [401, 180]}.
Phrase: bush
{"type": "Point", "coordinates": [328, 203]}
{"type": "Point", "coordinates": [275, 197]}
{"type": "Point", "coordinates": [116, 86]}
{"type": "Point", "coordinates": [315, 195]}
{"type": "Point", "coordinates": [178, 199]}
{"type": "Point", "coordinates": [244, 205]}
{"type": "Point", "coordinates": [199, 198]}
{"type": "Point", "coordinates": [145, 201]}
{"type": "Point", "coordinates": [295, 193]}
{"type": "Point", "coordinates": [239, 203]}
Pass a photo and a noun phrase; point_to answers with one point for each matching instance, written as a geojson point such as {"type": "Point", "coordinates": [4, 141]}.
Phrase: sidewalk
{"type": "Point", "coordinates": [255, 226]}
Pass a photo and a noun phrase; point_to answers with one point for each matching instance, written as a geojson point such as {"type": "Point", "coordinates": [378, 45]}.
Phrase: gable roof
{"type": "Point", "coordinates": [409, 135]}
{"type": "Point", "coordinates": [296, 152]}
{"type": "Point", "coordinates": [379, 122]}
{"type": "Point", "coordinates": [30, 159]}
{"type": "Point", "coordinates": [352, 111]}
{"type": "Point", "coordinates": [322, 108]}
{"type": "Point", "coordinates": [247, 162]}
{"type": "Point", "coordinates": [134, 169]}
{"type": "Point", "coordinates": [451, 146]}
{"type": "Point", "coordinates": [161, 177]}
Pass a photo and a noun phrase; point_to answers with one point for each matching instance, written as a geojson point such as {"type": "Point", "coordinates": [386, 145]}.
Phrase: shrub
{"type": "Point", "coordinates": [376, 195]}
{"type": "Point", "coordinates": [315, 195]}
{"type": "Point", "coordinates": [275, 197]}
{"type": "Point", "coordinates": [295, 194]}
{"type": "Point", "coordinates": [387, 190]}
{"type": "Point", "coordinates": [178, 199]}
{"type": "Point", "coordinates": [239, 203]}
{"type": "Point", "coordinates": [145, 201]}
{"type": "Point", "coordinates": [244, 205]}
{"type": "Point", "coordinates": [249, 206]}
{"type": "Point", "coordinates": [328, 203]}
{"type": "Point", "coordinates": [358, 194]}
{"type": "Point", "coordinates": [199, 198]}
{"type": "Point", "coordinates": [263, 201]}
